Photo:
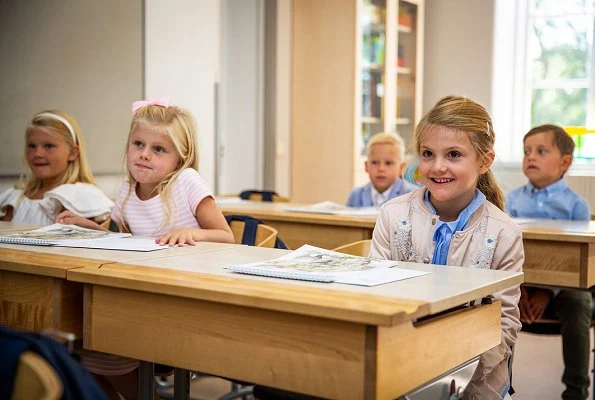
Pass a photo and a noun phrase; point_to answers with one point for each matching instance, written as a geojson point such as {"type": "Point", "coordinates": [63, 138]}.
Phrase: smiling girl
{"type": "Point", "coordinates": [57, 177]}
{"type": "Point", "coordinates": [457, 220]}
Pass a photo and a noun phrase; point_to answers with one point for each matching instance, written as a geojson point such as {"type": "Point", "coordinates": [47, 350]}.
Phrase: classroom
{"type": "Point", "coordinates": [288, 110]}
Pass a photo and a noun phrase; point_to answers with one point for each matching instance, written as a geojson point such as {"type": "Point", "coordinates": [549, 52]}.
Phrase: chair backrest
{"type": "Point", "coordinates": [253, 232]}
{"type": "Point", "coordinates": [264, 236]}
{"type": "Point", "coordinates": [36, 379]}
{"type": "Point", "coordinates": [359, 248]}
{"type": "Point", "coordinates": [262, 195]}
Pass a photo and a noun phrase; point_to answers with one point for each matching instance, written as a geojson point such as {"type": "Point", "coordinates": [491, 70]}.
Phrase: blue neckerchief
{"type": "Point", "coordinates": [445, 230]}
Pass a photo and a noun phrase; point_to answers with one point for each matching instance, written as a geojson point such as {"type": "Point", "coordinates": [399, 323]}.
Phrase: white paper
{"type": "Point", "coordinates": [332, 208]}
{"type": "Point", "coordinates": [225, 201]}
{"type": "Point", "coordinates": [131, 244]}
{"type": "Point", "coordinates": [520, 221]}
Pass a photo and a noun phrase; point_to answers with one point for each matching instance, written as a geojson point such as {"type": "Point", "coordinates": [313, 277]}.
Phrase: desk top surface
{"type": "Point", "coordinates": [540, 229]}
{"type": "Point", "coordinates": [278, 211]}
{"type": "Point", "coordinates": [55, 261]}
{"type": "Point", "coordinates": [202, 276]}
{"type": "Point", "coordinates": [559, 230]}
{"type": "Point", "coordinates": [7, 226]}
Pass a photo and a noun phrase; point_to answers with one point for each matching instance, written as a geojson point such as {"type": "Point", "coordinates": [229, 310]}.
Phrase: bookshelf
{"type": "Point", "coordinates": [357, 69]}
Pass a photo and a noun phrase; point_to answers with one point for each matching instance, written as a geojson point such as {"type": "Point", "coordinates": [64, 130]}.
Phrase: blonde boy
{"type": "Point", "coordinates": [384, 164]}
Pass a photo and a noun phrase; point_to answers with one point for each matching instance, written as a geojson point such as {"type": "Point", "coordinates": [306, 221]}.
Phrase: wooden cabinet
{"type": "Point", "coordinates": [357, 70]}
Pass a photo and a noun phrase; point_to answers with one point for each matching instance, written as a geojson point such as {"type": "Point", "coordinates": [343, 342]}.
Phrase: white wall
{"type": "Point", "coordinates": [182, 61]}
{"type": "Point", "coordinates": [458, 50]}
{"type": "Point", "coordinates": [81, 56]}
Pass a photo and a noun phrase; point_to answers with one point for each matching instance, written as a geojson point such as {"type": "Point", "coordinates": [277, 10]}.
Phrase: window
{"type": "Point", "coordinates": [550, 76]}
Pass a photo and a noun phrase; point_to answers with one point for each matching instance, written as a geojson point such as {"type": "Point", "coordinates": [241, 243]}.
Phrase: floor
{"type": "Point", "coordinates": [537, 371]}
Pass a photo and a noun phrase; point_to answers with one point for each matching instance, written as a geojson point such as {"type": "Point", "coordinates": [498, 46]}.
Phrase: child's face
{"type": "Point", "coordinates": [543, 163]}
{"type": "Point", "coordinates": [151, 156]}
{"type": "Point", "coordinates": [449, 167]}
{"type": "Point", "coordinates": [383, 166]}
{"type": "Point", "coordinates": [48, 155]}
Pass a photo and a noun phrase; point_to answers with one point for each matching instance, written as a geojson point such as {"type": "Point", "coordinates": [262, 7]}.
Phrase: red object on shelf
{"type": "Point", "coordinates": [400, 62]}
{"type": "Point", "coordinates": [406, 19]}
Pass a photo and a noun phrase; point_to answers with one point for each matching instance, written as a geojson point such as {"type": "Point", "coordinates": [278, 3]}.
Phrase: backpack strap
{"type": "Point", "coordinates": [250, 227]}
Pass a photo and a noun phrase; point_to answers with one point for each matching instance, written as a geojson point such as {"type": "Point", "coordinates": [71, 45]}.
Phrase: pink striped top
{"type": "Point", "coordinates": [144, 218]}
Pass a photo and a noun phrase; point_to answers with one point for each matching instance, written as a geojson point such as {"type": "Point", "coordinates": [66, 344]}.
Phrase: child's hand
{"type": "Point", "coordinates": [70, 218]}
{"type": "Point", "coordinates": [539, 301]}
{"type": "Point", "coordinates": [532, 307]}
{"type": "Point", "coordinates": [179, 237]}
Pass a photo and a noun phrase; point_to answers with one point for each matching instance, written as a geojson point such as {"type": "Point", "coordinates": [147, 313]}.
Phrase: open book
{"type": "Point", "coordinates": [315, 264]}
{"type": "Point", "coordinates": [76, 236]}
{"type": "Point", "coordinates": [330, 207]}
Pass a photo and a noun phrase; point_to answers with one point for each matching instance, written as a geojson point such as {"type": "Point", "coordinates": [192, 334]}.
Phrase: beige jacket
{"type": "Point", "coordinates": [404, 231]}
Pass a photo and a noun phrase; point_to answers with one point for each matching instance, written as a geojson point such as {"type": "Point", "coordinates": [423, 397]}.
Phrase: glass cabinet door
{"type": "Point", "coordinates": [372, 21]}
{"type": "Point", "coordinates": [408, 91]}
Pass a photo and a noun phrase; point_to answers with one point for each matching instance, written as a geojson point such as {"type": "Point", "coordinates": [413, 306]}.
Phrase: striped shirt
{"type": "Point", "coordinates": [146, 218]}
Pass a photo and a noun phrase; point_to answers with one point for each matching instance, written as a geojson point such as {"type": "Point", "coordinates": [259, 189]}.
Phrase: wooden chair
{"type": "Point", "coordinates": [265, 235]}
{"type": "Point", "coordinates": [36, 379]}
{"type": "Point", "coordinates": [359, 248]}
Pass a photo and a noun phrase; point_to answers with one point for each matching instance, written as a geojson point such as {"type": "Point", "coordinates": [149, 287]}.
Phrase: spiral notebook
{"type": "Point", "coordinates": [76, 236]}
{"type": "Point", "coordinates": [311, 263]}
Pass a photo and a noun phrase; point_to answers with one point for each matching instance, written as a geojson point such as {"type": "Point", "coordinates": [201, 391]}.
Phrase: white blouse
{"type": "Point", "coordinates": [84, 199]}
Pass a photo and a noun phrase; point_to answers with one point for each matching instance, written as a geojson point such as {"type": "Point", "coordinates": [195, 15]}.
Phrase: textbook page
{"type": "Point", "coordinates": [320, 265]}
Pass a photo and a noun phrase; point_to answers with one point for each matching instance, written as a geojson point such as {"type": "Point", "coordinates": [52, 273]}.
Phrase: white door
{"type": "Point", "coordinates": [182, 42]}
{"type": "Point", "coordinates": [240, 138]}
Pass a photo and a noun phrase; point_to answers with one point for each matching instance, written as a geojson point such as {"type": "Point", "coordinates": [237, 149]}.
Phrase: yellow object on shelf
{"type": "Point", "coordinates": [584, 138]}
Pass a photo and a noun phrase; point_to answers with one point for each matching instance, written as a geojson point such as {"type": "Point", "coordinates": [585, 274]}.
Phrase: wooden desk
{"type": "Point", "coordinates": [34, 292]}
{"type": "Point", "coordinates": [296, 229]}
{"type": "Point", "coordinates": [559, 253]}
{"type": "Point", "coordinates": [327, 340]}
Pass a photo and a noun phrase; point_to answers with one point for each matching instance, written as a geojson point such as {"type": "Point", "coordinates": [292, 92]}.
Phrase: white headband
{"type": "Point", "coordinates": [58, 118]}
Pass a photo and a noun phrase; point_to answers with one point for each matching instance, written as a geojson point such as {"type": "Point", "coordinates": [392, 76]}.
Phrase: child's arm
{"type": "Point", "coordinates": [213, 227]}
{"type": "Point", "coordinates": [70, 218]}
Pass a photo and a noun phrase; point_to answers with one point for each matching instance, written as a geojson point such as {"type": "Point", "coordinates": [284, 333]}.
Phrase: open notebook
{"type": "Point", "coordinates": [76, 236]}
{"type": "Point", "coordinates": [311, 263]}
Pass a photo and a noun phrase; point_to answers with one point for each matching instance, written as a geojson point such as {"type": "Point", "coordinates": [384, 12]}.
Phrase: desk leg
{"type": "Point", "coordinates": [145, 380]}
{"type": "Point", "coordinates": [181, 384]}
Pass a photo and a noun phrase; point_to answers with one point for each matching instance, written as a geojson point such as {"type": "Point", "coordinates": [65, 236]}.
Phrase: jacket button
{"type": "Point", "coordinates": [433, 221]}
{"type": "Point", "coordinates": [426, 260]}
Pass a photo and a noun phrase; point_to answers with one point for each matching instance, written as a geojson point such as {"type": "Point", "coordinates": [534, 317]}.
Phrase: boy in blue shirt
{"type": "Point", "coordinates": [384, 164]}
{"type": "Point", "coordinates": [547, 156]}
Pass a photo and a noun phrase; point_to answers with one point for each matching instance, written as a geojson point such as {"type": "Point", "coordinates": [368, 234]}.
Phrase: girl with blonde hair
{"type": "Point", "coordinates": [164, 196]}
{"type": "Point", "coordinates": [456, 219]}
{"type": "Point", "coordinates": [57, 175]}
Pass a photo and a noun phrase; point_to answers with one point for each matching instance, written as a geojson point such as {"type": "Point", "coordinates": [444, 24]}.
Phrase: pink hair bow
{"type": "Point", "coordinates": [163, 102]}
